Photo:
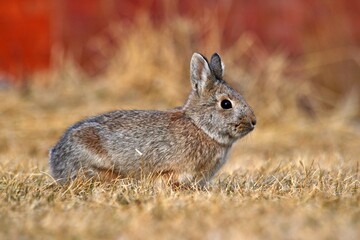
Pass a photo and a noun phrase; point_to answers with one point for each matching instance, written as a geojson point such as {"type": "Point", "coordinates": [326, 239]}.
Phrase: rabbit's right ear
{"type": "Point", "coordinates": [217, 66]}
{"type": "Point", "coordinates": [200, 73]}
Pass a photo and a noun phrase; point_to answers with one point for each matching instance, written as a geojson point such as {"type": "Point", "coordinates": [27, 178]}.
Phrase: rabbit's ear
{"type": "Point", "coordinates": [217, 66]}
{"type": "Point", "coordinates": [200, 73]}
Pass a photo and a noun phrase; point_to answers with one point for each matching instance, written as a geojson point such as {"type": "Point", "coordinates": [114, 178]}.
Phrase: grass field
{"type": "Point", "coordinates": [295, 177]}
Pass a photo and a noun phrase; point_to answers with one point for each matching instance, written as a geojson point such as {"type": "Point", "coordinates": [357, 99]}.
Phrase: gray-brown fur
{"type": "Point", "coordinates": [190, 143]}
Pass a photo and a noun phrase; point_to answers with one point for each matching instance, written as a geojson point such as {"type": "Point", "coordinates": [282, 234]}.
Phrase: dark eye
{"type": "Point", "coordinates": [226, 104]}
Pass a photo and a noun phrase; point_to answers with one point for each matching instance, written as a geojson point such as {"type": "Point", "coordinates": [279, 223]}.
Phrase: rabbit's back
{"type": "Point", "coordinates": [135, 142]}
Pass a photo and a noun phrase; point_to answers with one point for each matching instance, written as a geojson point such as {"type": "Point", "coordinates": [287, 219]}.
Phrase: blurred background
{"type": "Point", "coordinates": [320, 39]}
{"type": "Point", "coordinates": [296, 62]}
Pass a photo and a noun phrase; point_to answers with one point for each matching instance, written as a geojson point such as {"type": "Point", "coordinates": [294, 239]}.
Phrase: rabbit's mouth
{"type": "Point", "coordinates": [243, 128]}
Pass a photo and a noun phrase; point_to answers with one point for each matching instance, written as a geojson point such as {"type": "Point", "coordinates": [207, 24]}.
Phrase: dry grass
{"type": "Point", "coordinates": [296, 177]}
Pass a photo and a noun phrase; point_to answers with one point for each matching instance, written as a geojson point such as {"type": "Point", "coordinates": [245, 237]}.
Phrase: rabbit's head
{"type": "Point", "coordinates": [213, 105]}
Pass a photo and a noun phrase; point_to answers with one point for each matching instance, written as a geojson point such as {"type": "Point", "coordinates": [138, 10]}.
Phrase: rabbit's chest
{"type": "Point", "coordinates": [204, 170]}
{"type": "Point", "coordinates": [211, 163]}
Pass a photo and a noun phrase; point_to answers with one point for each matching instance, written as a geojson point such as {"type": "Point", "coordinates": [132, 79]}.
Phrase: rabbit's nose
{"type": "Point", "coordinates": [253, 122]}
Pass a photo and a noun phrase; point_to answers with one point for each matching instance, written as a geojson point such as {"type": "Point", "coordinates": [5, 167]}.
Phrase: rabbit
{"type": "Point", "coordinates": [188, 144]}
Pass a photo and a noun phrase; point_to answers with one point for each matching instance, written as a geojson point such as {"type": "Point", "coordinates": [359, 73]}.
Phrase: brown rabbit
{"type": "Point", "coordinates": [187, 144]}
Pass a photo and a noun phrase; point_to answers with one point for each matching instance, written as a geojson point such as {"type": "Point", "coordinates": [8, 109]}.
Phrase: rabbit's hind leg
{"type": "Point", "coordinates": [91, 152]}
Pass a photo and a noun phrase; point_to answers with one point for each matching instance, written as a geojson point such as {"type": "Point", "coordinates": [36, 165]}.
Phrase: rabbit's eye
{"type": "Point", "coordinates": [226, 104]}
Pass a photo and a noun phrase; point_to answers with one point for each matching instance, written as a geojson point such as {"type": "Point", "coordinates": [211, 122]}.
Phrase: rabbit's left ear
{"type": "Point", "coordinates": [200, 73]}
{"type": "Point", "coordinates": [217, 66]}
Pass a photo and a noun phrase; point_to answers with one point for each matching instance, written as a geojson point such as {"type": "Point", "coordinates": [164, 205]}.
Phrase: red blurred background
{"type": "Point", "coordinates": [31, 29]}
